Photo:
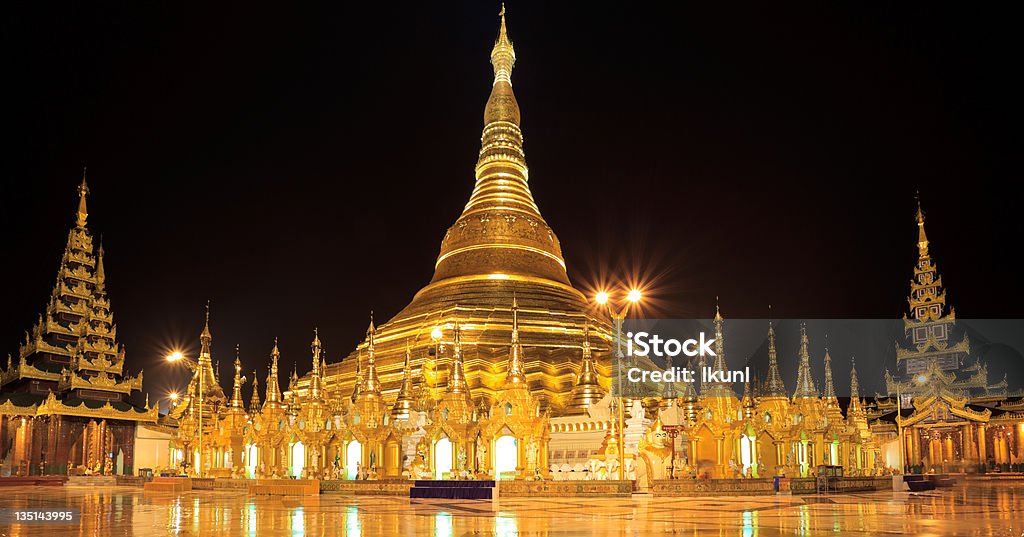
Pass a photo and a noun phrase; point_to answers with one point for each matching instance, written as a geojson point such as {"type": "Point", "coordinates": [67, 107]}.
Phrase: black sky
{"type": "Point", "coordinates": [298, 165]}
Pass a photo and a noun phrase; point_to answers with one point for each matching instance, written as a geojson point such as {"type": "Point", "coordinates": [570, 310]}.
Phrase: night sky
{"type": "Point", "coordinates": [299, 166]}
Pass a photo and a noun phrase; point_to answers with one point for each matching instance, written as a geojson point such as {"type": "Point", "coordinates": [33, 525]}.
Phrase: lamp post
{"type": "Point", "coordinates": [178, 357]}
{"type": "Point", "coordinates": [618, 314]}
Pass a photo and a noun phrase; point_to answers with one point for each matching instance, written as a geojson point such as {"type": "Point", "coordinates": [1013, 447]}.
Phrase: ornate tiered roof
{"type": "Point", "coordinates": [71, 354]}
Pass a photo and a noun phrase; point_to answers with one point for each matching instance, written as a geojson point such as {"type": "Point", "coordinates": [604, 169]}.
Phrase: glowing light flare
{"type": "Point", "coordinates": [175, 356]}
{"type": "Point", "coordinates": [173, 396]}
{"type": "Point", "coordinates": [436, 334]}
{"type": "Point", "coordinates": [634, 295]}
{"type": "Point", "coordinates": [921, 379]}
{"type": "Point", "coordinates": [601, 298]}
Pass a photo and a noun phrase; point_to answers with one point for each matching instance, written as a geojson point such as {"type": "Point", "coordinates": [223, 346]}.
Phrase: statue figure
{"type": "Point", "coordinates": [531, 452]}
{"type": "Point", "coordinates": [613, 469]}
{"type": "Point", "coordinates": [108, 466]}
{"type": "Point", "coordinates": [481, 453]}
{"type": "Point", "coordinates": [461, 458]}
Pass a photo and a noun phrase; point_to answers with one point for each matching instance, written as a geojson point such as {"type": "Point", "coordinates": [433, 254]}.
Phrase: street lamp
{"type": "Point", "coordinates": [178, 357]}
{"type": "Point", "coordinates": [618, 314]}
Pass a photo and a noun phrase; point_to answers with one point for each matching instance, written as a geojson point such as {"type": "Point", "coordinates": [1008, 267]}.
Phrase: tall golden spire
{"type": "Point", "coordinates": [314, 381]}
{"type": "Point", "coordinates": [804, 381]}
{"type": "Point", "coordinates": [720, 364]}
{"type": "Point", "coordinates": [371, 384]}
{"type": "Point", "coordinates": [457, 376]}
{"type": "Point", "coordinates": [404, 403]}
{"type": "Point", "coordinates": [774, 386]}
{"type": "Point", "coordinates": [516, 374]}
{"type": "Point", "coordinates": [273, 389]}
{"type": "Point", "coordinates": [501, 229]}
{"type": "Point", "coordinates": [83, 191]}
{"type": "Point", "coordinates": [855, 406]}
{"type": "Point", "coordinates": [922, 237]}
{"type": "Point", "coordinates": [587, 390]}
{"type": "Point", "coordinates": [236, 394]}
{"type": "Point", "coordinates": [254, 402]}
{"type": "Point", "coordinates": [101, 273]}
{"type": "Point", "coordinates": [357, 386]}
{"type": "Point", "coordinates": [503, 55]}
{"type": "Point", "coordinates": [830, 389]}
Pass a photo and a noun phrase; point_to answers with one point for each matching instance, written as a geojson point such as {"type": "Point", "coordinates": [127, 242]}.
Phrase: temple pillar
{"type": "Point", "coordinates": [1020, 441]}
{"type": "Point", "coordinates": [982, 451]}
{"type": "Point", "coordinates": [720, 456]}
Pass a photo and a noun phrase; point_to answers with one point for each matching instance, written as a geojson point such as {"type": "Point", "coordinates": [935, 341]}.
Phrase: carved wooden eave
{"type": "Point", "coordinates": [926, 408]}
{"type": "Point", "coordinates": [52, 406]}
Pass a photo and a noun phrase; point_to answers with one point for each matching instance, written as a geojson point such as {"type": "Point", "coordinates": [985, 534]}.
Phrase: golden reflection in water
{"type": "Point", "coordinates": [979, 509]}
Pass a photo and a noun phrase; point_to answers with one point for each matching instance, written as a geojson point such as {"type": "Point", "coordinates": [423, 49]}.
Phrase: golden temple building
{"type": "Point", "coordinates": [957, 421]}
{"type": "Point", "coordinates": [500, 368]}
{"type": "Point", "coordinates": [66, 403]}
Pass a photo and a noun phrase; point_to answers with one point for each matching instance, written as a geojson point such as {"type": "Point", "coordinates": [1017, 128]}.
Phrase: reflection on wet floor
{"type": "Point", "coordinates": [977, 509]}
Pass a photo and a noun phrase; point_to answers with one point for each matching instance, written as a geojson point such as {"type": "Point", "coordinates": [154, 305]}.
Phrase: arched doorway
{"type": "Point", "coordinates": [506, 456]}
{"type": "Point", "coordinates": [747, 454]}
{"type": "Point", "coordinates": [298, 458]}
{"type": "Point", "coordinates": [442, 457]}
{"type": "Point", "coordinates": [353, 459]}
{"type": "Point", "coordinates": [251, 458]}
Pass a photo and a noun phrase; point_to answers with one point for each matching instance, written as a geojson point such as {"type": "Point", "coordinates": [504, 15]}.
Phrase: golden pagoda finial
{"type": "Point", "coordinates": [236, 393]}
{"type": "Point", "coordinates": [371, 384]}
{"type": "Point", "coordinates": [587, 390]}
{"type": "Point", "coordinates": [516, 374]}
{"type": "Point", "coordinates": [922, 238]}
{"type": "Point", "coordinates": [503, 55]}
{"type": "Point", "coordinates": [457, 376]}
{"type": "Point", "coordinates": [254, 402]}
{"type": "Point", "coordinates": [404, 403]}
{"type": "Point", "coordinates": [101, 274]}
{"type": "Point", "coordinates": [718, 311]}
{"type": "Point", "coordinates": [206, 335]}
{"type": "Point", "coordinates": [315, 382]}
{"type": "Point", "coordinates": [774, 386]}
{"type": "Point", "coordinates": [855, 406]}
{"type": "Point", "coordinates": [273, 388]}
{"type": "Point", "coordinates": [804, 381]}
{"type": "Point", "coordinates": [83, 191]}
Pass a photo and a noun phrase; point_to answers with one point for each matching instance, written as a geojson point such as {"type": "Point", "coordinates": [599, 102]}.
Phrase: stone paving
{"type": "Point", "coordinates": [976, 509]}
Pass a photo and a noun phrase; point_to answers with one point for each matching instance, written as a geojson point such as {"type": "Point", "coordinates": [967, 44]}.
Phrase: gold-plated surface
{"type": "Point", "coordinates": [498, 248]}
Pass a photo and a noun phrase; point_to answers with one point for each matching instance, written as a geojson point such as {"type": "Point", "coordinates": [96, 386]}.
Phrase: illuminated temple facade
{"type": "Point", "coordinates": [500, 367]}
{"type": "Point", "coordinates": [66, 402]}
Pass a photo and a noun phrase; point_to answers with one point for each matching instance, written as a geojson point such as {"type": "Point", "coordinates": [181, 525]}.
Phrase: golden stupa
{"type": "Point", "coordinates": [500, 249]}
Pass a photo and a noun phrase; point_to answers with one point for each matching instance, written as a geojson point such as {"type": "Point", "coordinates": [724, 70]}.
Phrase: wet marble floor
{"type": "Point", "coordinates": [976, 509]}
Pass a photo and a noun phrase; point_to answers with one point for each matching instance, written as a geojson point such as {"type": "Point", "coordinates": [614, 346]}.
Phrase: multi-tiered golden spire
{"type": "Point", "coordinates": [804, 381]}
{"type": "Point", "coordinates": [315, 383]}
{"type": "Point", "coordinates": [587, 390]}
{"type": "Point", "coordinates": [516, 374]}
{"type": "Point", "coordinates": [773, 387]}
{"type": "Point", "coordinates": [83, 211]}
{"type": "Point", "coordinates": [371, 384]}
{"type": "Point", "coordinates": [236, 393]}
{"type": "Point", "coordinates": [404, 403]}
{"type": "Point", "coordinates": [501, 230]}
{"type": "Point", "coordinates": [457, 376]}
{"type": "Point", "coordinates": [274, 399]}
